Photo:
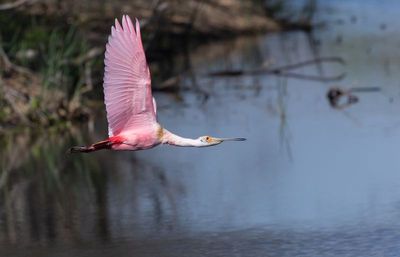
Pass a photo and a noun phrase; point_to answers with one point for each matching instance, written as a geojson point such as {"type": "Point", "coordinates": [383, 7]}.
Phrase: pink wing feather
{"type": "Point", "coordinates": [127, 83]}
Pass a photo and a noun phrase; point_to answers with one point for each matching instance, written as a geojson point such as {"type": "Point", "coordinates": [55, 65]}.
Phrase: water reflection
{"type": "Point", "coordinates": [49, 196]}
{"type": "Point", "coordinates": [310, 180]}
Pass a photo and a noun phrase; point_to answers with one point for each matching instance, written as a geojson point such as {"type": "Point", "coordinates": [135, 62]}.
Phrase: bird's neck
{"type": "Point", "coordinates": [172, 139]}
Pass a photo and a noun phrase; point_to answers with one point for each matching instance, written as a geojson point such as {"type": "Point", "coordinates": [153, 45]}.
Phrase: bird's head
{"type": "Point", "coordinates": [209, 141]}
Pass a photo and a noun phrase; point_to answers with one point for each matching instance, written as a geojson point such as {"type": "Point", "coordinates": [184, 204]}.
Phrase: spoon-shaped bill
{"type": "Point", "coordinates": [231, 139]}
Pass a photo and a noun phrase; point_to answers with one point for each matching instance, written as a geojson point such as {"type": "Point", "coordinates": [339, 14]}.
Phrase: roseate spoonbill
{"type": "Point", "coordinates": [131, 109]}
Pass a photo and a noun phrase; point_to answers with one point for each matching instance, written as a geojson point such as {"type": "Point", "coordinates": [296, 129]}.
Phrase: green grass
{"type": "Point", "coordinates": [53, 52]}
{"type": "Point", "coordinates": [47, 47]}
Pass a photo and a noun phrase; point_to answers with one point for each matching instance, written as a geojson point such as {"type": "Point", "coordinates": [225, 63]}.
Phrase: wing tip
{"type": "Point", "coordinates": [117, 25]}
{"type": "Point", "coordinates": [124, 23]}
{"type": "Point", "coordinates": [137, 27]}
{"type": "Point", "coordinates": [127, 24]}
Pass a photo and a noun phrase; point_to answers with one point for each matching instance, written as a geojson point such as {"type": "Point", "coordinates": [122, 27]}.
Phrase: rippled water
{"type": "Point", "coordinates": [310, 180]}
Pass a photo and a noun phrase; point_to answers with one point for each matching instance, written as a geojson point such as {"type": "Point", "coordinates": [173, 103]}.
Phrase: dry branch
{"type": "Point", "coordinates": [8, 65]}
{"type": "Point", "coordinates": [13, 5]}
{"type": "Point", "coordinates": [283, 71]}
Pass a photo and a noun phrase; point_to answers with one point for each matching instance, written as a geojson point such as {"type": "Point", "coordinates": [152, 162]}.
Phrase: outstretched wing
{"type": "Point", "coordinates": [127, 83]}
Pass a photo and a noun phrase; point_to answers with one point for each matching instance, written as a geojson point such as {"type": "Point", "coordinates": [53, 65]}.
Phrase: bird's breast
{"type": "Point", "coordinates": [139, 139]}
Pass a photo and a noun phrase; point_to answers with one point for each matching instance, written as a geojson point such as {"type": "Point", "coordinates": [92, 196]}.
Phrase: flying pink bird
{"type": "Point", "coordinates": [131, 108]}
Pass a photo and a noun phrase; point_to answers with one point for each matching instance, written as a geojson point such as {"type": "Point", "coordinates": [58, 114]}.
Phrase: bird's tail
{"type": "Point", "coordinates": [106, 144]}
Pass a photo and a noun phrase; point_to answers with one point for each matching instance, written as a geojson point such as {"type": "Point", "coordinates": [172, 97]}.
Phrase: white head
{"type": "Point", "coordinates": [209, 141]}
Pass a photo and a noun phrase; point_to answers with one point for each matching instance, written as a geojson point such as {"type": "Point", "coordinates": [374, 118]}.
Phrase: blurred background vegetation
{"type": "Point", "coordinates": [51, 51]}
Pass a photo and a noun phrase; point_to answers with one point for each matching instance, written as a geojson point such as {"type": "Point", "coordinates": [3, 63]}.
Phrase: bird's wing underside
{"type": "Point", "coordinates": [127, 83]}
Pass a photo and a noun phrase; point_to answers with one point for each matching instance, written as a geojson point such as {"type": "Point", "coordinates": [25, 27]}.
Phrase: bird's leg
{"type": "Point", "coordinates": [81, 149]}
{"type": "Point", "coordinates": [106, 144]}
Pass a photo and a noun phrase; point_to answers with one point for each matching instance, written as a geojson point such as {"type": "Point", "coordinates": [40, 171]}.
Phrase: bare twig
{"type": "Point", "coordinates": [16, 4]}
{"type": "Point", "coordinates": [283, 71]}
{"type": "Point", "coordinates": [170, 84]}
{"type": "Point", "coordinates": [91, 54]}
{"type": "Point", "coordinates": [8, 65]}
{"type": "Point", "coordinates": [277, 70]}
{"type": "Point", "coordinates": [312, 62]}
{"type": "Point", "coordinates": [364, 89]}
{"type": "Point", "coordinates": [310, 77]}
{"type": "Point", "coordinates": [336, 95]}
